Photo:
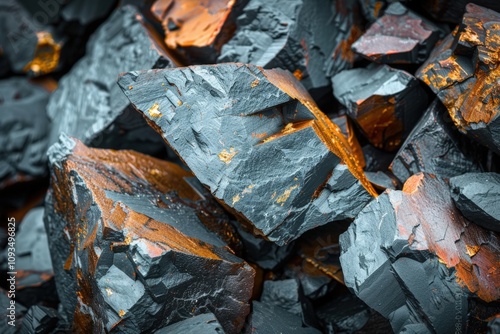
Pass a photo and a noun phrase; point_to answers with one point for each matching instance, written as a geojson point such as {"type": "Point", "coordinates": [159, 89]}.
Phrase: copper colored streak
{"type": "Point", "coordinates": [192, 22]}
{"type": "Point", "coordinates": [329, 133]}
{"type": "Point", "coordinates": [46, 57]}
{"type": "Point", "coordinates": [344, 49]}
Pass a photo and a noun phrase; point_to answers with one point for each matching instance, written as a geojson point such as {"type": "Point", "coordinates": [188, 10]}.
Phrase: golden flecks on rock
{"type": "Point", "coordinates": [47, 54]}
{"type": "Point", "coordinates": [236, 198]}
{"type": "Point", "coordinates": [283, 197]}
{"type": "Point", "coordinates": [226, 156]}
{"type": "Point", "coordinates": [254, 83]}
{"type": "Point", "coordinates": [121, 313]}
{"type": "Point", "coordinates": [154, 111]}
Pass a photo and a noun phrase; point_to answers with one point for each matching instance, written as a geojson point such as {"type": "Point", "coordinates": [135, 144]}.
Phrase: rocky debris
{"type": "Point", "coordinates": [476, 196]}
{"type": "Point", "coordinates": [345, 125]}
{"type": "Point", "coordinates": [372, 9]}
{"type": "Point", "coordinates": [257, 159]}
{"type": "Point", "coordinates": [494, 325]}
{"type": "Point", "coordinates": [39, 319]}
{"type": "Point", "coordinates": [126, 235]}
{"type": "Point", "coordinates": [25, 128]}
{"type": "Point", "coordinates": [291, 35]}
{"type": "Point", "coordinates": [400, 36]}
{"type": "Point", "coordinates": [376, 159]}
{"type": "Point", "coordinates": [34, 278]}
{"type": "Point", "coordinates": [89, 105]}
{"type": "Point", "coordinates": [345, 314]}
{"type": "Point", "coordinates": [204, 323]}
{"type": "Point", "coordinates": [14, 313]}
{"type": "Point", "coordinates": [384, 102]}
{"type": "Point", "coordinates": [418, 232]}
{"type": "Point", "coordinates": [463, 71]}
{"type": "Point", "coordinates": [453, 10]}
{"type": "Point", "coordinates": [270, 319]}
{"type": "Point", "coordinates": [434, 146]}
{"type": "Point", "coordinates": [381, 180]}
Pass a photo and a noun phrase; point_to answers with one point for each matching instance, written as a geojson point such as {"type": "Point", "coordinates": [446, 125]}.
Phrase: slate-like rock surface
{"type": "Point", "coordinates": [400, 36]}
{"type": "Point", "coordinates": [463, 71]}
{"type": "Point", "coordinates": [345, 314]}
{"type": "Point", "coordinates": [204, 323]}
{"type": "Point", "coordinates": [89, 105]}
{"type": "Point", "coordinates": [453, 10]}
{"type": "Point", "coordinates": [477, 195]}
{"type": "Point", "coordinates": [434, 146]}
{"type": "Point", "coordinates": [14, 315]}
{"type": "Point", "coordinates": [384, 102]}
{"type": "Point", "coordinates": [275, 163]}
{"type": "Point", "coordinates": [40, 320]}
{"type": "Point", "coordinates": [132, 247]}
{"type": "Point", "coordinates": [291, 35]}
{"type": "Point", "coordinates": [418, 232]}
{"type": "Point", "coordinates": [25, 129]}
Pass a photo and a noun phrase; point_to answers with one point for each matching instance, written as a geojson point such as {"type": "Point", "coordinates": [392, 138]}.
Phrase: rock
{"type": "Point", "coordinates": [14, 313]}
{"type": "Point", "coordinates": [384, 102]}
{"type": "Point", "coordinates": [291, 35]}
{"type": "Point", "coordinates": [418, 232]}
{"type": "Point", "coordinates": [275, 164]}
{"type": "Point", "coordinates": [271, 319]}
{"type": "Point", "coordinates": [382, 180]}
{"type": "Point", "coordinates": [463, 71]}
{"type": "Point", "coordinates": [372, 9]}
{"type": "Point", "coordinates": [452, 11]}
{"type": "Point", "coordinates": [494, 325]}
{"type": "Point", "coordinates": [476, 196]}
{"type": "Point", "coordinates": [204, 323]}
{"type": "Point", "coordinates": [434, 146]}
{"type": "Point", "coordinates": [39, 319]}
{"type": "Point", "coordinates": [196, 30]}
{"type": "Point", "coordinates": [33, 264]}
{"type": "Point", "coordinates": [25, 129]}
{"type": "Point", "coordinates": [86, 11]}
{"type": "Point", "coordinates": [89, 105]}
{"type": "Point", "coordinates": [128, 233]}
{"type": "Point", "coordinates": [400, 36]}
{"type": "Point", "coordinates": [376, 159]}
{"type": "Point", "coordinates": [345, 125]}
{"type": "Point", "coordinates": [345, 314]}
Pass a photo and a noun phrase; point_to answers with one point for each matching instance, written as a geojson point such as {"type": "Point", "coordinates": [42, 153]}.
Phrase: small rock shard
{"type": "Point", "coordinates": [463, 71]}
{"type": "Point", "coordinates": [418, 232]}
{"type": "Point", "coordinates": [400, 36]}
{"type": "Point", "coordinates": [477, 195]}
{"type": "Point", "coordinates": [128, 233]}
{"type": "Point", "coordinates": [384, 102]}
{"type": "Point", "coordinates": [344, 314]}
{"type": "Point", "coordinates": [434, 146]}
{"type": "Point", "coordinates": [284, 184]}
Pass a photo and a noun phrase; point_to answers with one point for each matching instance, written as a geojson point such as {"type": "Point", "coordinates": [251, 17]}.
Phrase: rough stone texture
{"type": "Point", "coordinates": [385, 103]}
{"type": "Point", "coordinates": [463, 71]}
{"type": "Point", "coordinates": [274, 163]}
{"type": "Point", "coordinates": [345, 314]}
{"type": "Point", "coordinates": [89, 105]}
{"type": "Point", "coordinates": [382, 180]}
{"type": "Point", "coordinates": [86, 11]}
{"type": "Point", "coordinates": [204, 323]}
{"type": "Point", "coordinates": [345, 125]}
{"type": "Point", "coordinates": [372, 9]}
{"type": "Point", "coordinates": [33, 265]}
{"type": "Point", "coordinates": [196, 30]}
{"type": "Point", "coordinates": [291, 35]}
{"type": "Point", "coordinates": [418, 232]}
{"type": "Point", "coordinates": [17, 315]}
{"type": "Point", "coordinates": [40, 320]}
{"type": "Point", "coordinates": [434, 146]}
{"type": "Point", "coordinates": [271, 319]}
{"type": "Point", "coordinates": [24, 127]}
{"type": "Point", "coordinates": [400, 36]}
{"type": "Point", "coordinates": [477, 195]}
{"type": "Point", "coordinates": [494, 325]}
{"type": "Point", "coordinates": [376, 159]}
{"type": "Point", "coordinates": [453, 10]}
{"type": "Point", "coordinates": [128, 233]}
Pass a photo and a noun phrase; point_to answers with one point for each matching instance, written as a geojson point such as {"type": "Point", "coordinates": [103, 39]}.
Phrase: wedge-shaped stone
{"type": "Point", "coordinates": [131, 245]}
{"type": "Point", "coordinates": [257, 140]}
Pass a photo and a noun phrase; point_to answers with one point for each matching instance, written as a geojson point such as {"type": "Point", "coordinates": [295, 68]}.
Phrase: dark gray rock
{"type": "Point", "coordinates": [89, 105]}
{"type": "Point", "coordinates": [494, 325]}
{"type": "Point", "coordinates": [13, 313]}
{"type": "Point", "coordinates": [265, 161]}
{"type": "Point", "coordinates": [25, 129]}
{"type": "Point", "coordinates": [381, 180]}
{"type": "Point", "coordinates": [477, 195]}
{"type": "Point", "coordinates": [434, 146]}
{"type": "Point", "coordinates": [452, 11]}
{"type": "Point", "coordinates": [39, 320]}
{"type": "Point", "coordinates": [373, 9]}
{"type": "Point", "coordinates": [345, 314]}
{"type": "Point", "coordinates": [384, 102]}
{"type": "Point", "coordinates": [204, 323]}
{"type": "Point", "coordinates": [131, 244]}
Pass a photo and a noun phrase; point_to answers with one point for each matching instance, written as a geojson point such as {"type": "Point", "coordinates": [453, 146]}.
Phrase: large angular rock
{"type": "Point", "coordinates": [464, 70]}
{"type": "Point", "coordinates": [257, 140]}
{"type": "Point", "coordinates": [400, 36]}
{"type": "Point", "coordinates": [418, 232]}
{"type": "Point", "coordinates": [131, 244]}
{"type": "Point", "coordinates": [434, 146]}
{"type": "Point", "coordinates": [384, 102]}
{"type": "Point", "coordinates": [476, 195]}
{"type": "Point", "coordinates": [25, 128]}
{"type": "Point", "coordinates": [291, 35]}
{"type": "Point", "coordinates": [89, 105]}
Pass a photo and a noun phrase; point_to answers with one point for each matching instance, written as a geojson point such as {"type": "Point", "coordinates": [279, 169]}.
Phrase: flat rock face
{"type": "Point", "coordinates": [132, 247]}
{"type": "Point", "coordinates": [88, 104]}
{"type": "Point", "coordinates": [434, 146]}
{"type": "Point", "coordinates": [477, 196]}
{"type": "Point", "coordinates": [418, 232]}
{"type": "Point", "coordinates": [204, 323]}
{"type": "Point", "coordinates": [24, 127]}
{"type": "Point", "coordinates": [385, 103]}
{"type": "Point", "coordinates": [400, 36]}
{"type": "Point", "coordinates": [274, 163]}
{"type": "Point", "coordinates": [290, 35]}
{"type": "Point", "coordinates": [469, 62]}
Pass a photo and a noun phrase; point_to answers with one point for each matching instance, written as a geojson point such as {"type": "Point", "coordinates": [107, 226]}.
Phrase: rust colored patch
{"type": "Point", "coordinates": [226, 156]}
{"type": "Point", "coordinates": [154, 111]}
{"type": "Point", "coordinates": [46, 57]}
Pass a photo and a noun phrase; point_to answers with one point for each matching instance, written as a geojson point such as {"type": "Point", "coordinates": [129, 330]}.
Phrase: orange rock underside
{"type": "Point", "coordinates": [46, 57]}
